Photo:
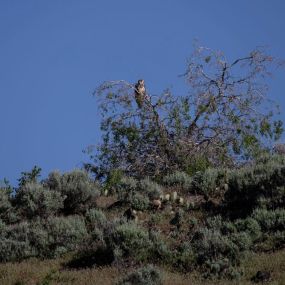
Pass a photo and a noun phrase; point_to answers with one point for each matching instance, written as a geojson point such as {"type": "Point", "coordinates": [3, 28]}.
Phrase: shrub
{"type": "Point", "coordinates": [131, 241]}
{"type": "Point", "coordinates": [39, 239]}
{"type": "Point", "coordinates": [198, 163]}
{"type": "Point", "coordinates": [180, 179]}
{"type": "Point", "coordinates": [184, 257]}
{"type": "Point", "coordinates": [12, 250]}
{"type": "Point", "coordinates": [159, 251]}
{"type": "Point", "coordinates": [250, 226]}
{"type": "Point", "coordinates": [271, 241]}
{"type": "Point", "coordinates": [14, 242]}
{"type": "Point", "coordinates": [5, 204]}
{"type": "Point", "coordinates": [58, 235]}
{"type": "Point", "coordinates": [139, 202]}
{"type": "Point", "coordinates": [126, 188]}
{"type": "Point", "coordinates": [96, 219]}
{"type": "Point", "coordinates": [147, 275]}
{"type": "Point", "coordinates": [270, 220]}
{"type": "Point", "coordinates": [138, 193]}
{"type": "Point", "coordinates": [242, 240]}
{"type": "Point", "coordinates": [30, 176]}
{"type": "Point", "coordinates": [113, 179]}
{"type": "Point", "coordinates": [217, 255]}
{"type": "Point", "coordinates": [2, 228]}
{"type": "Point", "coordinates": [215, 222]}
{"type": "Point", "coordinates": [228, 228]}
{"type": "Point", "coordinates": [77, 188]}
{"type": "Point", "coordinates": [66, 233]}
{"type": "Point", "coordinates": [32, 200]}
{"type": "Point", "coordinates": [211, 245]}
{"type": "Point", "coordinates": [152, 189]}
{"type": "Point", "coordinates": [210, 182]}
{"type": "Point", "coordinates": [254, 185]}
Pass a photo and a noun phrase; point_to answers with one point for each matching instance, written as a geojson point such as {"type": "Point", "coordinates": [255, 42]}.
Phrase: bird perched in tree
{"type": "Point", "coordinates": [140, 93]}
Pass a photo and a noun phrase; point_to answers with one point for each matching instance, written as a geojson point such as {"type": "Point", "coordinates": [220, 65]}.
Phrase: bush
{"type": "Point", "coordinates": [209, 183]}
{"type": "Point", "coordinates": [126, 188]}
{"type": "Point", "coordinates": [58, 235]}
{"type": "Point", "coordinates": [14, 242]}
{"type": "Point", "coordinates": [256, 185]}
{"type": "Point", "coordinates": [139, 202]}
{"type": "Point", "coordinates": [32, 200]}
{"type": "Point", "coordinates": [65, 233]}
{"type": "Point", "coordinates": [131, 241]}
{"type": "Point", "coordinates": [96, 219]}
{"type": "Point", "coordinates": [159, 251]}
{"type": "Point", "coordinates": [242, 240]}
{"type": "Point", "coordinates": [152, 189]}
{"type": "Point", "coordinates": [215, 223]}
{"type": "Point", "coordinates": [138, 193]}
{"type": "Point", "coordinates": [183, 258]}
{"type": "Point", "coordinates": [211, 245]}
{"type": "Point", "coordinates": [270, 220]}
{"type": "Point", "coordinates": [77, 188]}
{"type": "Point", "coordinates": [5, 205]}
{"type": "Point", "coordinates": [147, 275]}
{"type": "Point", "coordinates": [216, 254]}
{"type": "Point", "coordinates": [250, 226]}
{"type": "Point", "coordinates": [271, 241]}
{"type": "Point", "coordinates": [178, 179]}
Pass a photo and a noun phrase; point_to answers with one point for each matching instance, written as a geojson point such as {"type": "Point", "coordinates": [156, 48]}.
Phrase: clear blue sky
{"type": "Point", "coordinates": [54, 53]}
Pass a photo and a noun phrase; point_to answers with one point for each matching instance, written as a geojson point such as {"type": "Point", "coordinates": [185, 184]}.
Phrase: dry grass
{"type": "Point", "coordinates": [48, 272]}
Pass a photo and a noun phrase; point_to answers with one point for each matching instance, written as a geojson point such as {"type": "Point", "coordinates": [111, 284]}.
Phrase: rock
{"type": "Point", "coordinates": [174, 196]}
{"type": "Point", "coordinates": [261, 276]}
{"type": "Point", "coordinates": [167, 197]}
{"type": "Point", "coordinates": [156, 204]}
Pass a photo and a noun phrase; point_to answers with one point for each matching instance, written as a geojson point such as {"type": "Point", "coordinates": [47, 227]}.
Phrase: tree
{"type": "Point", "coordinates": [31, 176]}
{"type": "Point", "coordinates": [222, 119]}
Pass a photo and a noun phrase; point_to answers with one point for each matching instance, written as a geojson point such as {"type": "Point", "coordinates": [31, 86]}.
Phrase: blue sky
{"type": "Point", "coordinates": [54, 53]}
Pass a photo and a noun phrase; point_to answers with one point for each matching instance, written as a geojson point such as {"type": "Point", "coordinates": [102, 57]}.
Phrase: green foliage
{"type": "Point", "coordinates": [150, 188]}
{"type": "Point", "coordinates": [198, 163]}
{"type": "Point", "coordinates": [210, 244]}
{"type": "Point", "coordinates": [6, 208]}
{"type": "Point", "coordinates": [159, 250]}
{"type": "Point", "coordinates": [77, 188]}
{"type": "Point", "coordinates": [14, 242]}
{"type": "Point", "coordinates": [126, 188]}
{"type": "Point", "coordinates": [183, 258]}
{"type": "Point", "coordinates": [180, 179]}
{"type": "Point", "coordinates": [270, 220]}
{"type": "Point", "coordinates": [147, 275]}
{"type": "Point", "coordinates": [31, 176]}
{"type": "Point", "coordinates": [242, 239]}
{"type": "Point", "coordinates": [113, 178]}
{"type": "Point", "coordinates": [139, 202]}
{"type": "Point", "coordinates": [209, 126]}
{"type": "Point", "coordinates": [96, 219]}
{"type": "Point", "coordinates": [250, 226]}
{"type": "Point", "coordinates": [216, 254]}
{"type": "Point", "coordinates": [132, 241]}
{"type": "Point", "coordinates": [210, 183]}
{"type": "Point", "coordinates": [261, 184]}
{"type": "Point", "coordinates": [33, 200]}
{"type": "Point", "coordinates": [58, 235]}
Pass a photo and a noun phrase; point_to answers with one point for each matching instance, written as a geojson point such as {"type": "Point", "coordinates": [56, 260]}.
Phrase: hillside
{"type": "Point", "coordinates": [219, 224]}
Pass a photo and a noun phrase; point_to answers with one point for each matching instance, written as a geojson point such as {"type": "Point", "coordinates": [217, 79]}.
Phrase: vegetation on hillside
{"type": "Point", "coordinates": [185, 184]}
